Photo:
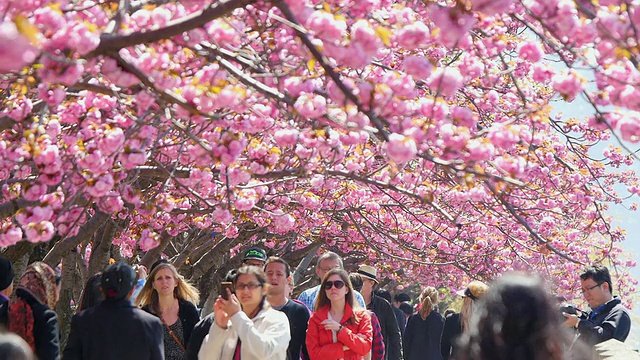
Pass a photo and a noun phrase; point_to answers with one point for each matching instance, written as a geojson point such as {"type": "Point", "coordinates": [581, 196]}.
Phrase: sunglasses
{"type": "Point", "coordinates": [329, 284]}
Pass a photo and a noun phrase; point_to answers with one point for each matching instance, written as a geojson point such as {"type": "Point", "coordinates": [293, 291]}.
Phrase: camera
{"type": "Point", "coordinates": [569, 309]}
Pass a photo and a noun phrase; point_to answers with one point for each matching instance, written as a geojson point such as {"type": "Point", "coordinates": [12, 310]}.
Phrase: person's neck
{"type": "Point", "coordinates": [337, 309]}
{"type": "Point", "coordinates": [277, 300]}
{"type": "Point", "coordinates": [367, 297]}
{"type": "Point", "coordinates": [166, 302]}
{"type": "Point", "coordinates": [251, 311]}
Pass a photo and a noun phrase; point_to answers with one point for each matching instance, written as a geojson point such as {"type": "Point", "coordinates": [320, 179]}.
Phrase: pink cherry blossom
{"type": "Point", "coordinates": [418, 67]}
{"type": "Point", "coordinates": [530, 51]}
{"type": "Point", "coordinates": [149, 239]}
{"type": "Point", "coordinates": [568, 84]}
{"type": "Point", "coordinates": [401, 148]}
{"type": "Point", "coordinates": [16, 50]}
{"type": "Point", "coordinates": [39, 232]}
{"type": "Point", "coordinates": [445, 81]}
{"type": "Point", "coordinates": [10, 234]}
{"type": "Point", "coordinates": [222, 216]}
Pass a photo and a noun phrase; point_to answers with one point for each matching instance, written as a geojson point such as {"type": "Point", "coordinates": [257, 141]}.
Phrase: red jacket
{"type": "Point", "coordinates": [356, 334]}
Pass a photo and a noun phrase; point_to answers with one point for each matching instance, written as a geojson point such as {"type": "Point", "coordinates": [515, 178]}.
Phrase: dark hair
{"type": "Point", "coordinates": [117, 281]}
{"type": "Point", "coordinates": [406, 308]}
{"type": "Point", "coordinates": [92, 293]}
{"type": "Point", "coordinates": [279, 260]}
{"type": "Point", "coordinates": [401, 297]}
{"type": "Point", "coordinates": [260, 276]}
{"type": "Point", "coordinates": [384, 293]}
{"type": "Point", "coordinates": [230, 276]}
{"type": "Point", "coordinates": [356, 281]}
{"type": "Point", "coordinates": [599, 274]}
{"type": "Point", "coordinates": [516, 319]}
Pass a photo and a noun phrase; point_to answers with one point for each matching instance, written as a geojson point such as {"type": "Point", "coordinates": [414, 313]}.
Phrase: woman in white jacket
{"type": "Point", "coordinates": [245, 326]}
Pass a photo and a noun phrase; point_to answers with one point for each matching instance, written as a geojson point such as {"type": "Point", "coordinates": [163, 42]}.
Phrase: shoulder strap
{"type": "Point", "coordinates": [173, 335]}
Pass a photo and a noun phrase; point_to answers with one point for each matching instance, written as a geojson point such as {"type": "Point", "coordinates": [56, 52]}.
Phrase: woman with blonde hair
{"type": "Point", "coordinates": [167, 295]}
{"type": "Point", "coordinates": [422, 334]}
{"type": "Point", "coordinates": [339, 328]}
{"type": "Point", "coordinates": [457, 324]}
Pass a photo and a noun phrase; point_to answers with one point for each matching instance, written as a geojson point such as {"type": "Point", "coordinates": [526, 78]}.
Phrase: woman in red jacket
{"type": "Point", "coordinates": [338, 328]}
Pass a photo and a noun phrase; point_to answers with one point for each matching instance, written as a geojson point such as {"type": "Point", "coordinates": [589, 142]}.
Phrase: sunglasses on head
{"type": "Point", "coordinates": [329, 284]}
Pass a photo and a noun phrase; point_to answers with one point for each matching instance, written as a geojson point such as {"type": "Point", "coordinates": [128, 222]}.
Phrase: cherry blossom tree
{"type": "Point", "coordinates": [418, 136]}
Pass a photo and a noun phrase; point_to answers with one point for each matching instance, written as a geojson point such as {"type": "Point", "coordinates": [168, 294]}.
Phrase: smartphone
{"type": "Point", "coordinates": [223, 289]}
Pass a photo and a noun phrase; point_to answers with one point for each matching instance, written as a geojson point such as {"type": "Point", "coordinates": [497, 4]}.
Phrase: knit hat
{"type": "Point", "coordinates": [6, 273]}
{"type": "Point", "coordinates": [117, 281]}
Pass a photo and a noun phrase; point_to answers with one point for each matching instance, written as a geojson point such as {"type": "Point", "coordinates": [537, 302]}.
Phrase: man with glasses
{"type": "Point", "coordinates": [608, 319]}
{"type": "Point", "coordinates": [326, 262]}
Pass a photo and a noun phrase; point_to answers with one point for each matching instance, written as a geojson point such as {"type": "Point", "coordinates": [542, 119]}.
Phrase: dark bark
{"type": "Point", "coordinates": [112, 43]}
{"type": "Point", "coordinates": [100, 252]}
{"type": "Point", "coordinates": [62, 248]}
{"type": "Point", "coordinates": [63, 308]}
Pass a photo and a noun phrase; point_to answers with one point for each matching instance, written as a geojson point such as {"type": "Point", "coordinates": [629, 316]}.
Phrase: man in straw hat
{"type": "Point", "coordinates": [384, 312]}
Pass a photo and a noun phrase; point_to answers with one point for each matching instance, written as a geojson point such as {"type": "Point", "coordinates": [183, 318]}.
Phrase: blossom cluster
{"type": "Point", "coordinates": [419, 132]}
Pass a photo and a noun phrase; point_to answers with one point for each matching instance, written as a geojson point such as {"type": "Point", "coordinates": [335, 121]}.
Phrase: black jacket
{"type": "Point", "coordinates": [389, 325]}
{"type": "Point", "coordinates": [450, 333]}
{"type": "Point", "coordinates": [188, 315]}
{"type": "Point", "coordinates": [197, 336]}
{"type": "Point", "coordinates": [612, 322]}
{"type": "Point", "coordinates": [4, 310]}
{"type": "Point", "coordinates": [401, 319]}
{"type": "Point", "coordinates": [45, 327]}
{"type": "Point", "coordinates": [421, 339]}
{"type": "Point", "coordinates": [115, 331]}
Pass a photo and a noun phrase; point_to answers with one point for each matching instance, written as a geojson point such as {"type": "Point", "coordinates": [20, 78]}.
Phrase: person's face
{"type": "Point", "coordinates": [277, 278]}
{"type": "Point", "coordinates": [595, 293]}
{"type": "Point", "coordinates": [254, 262]}
{"type": "Point", "coordinates": [367, 285]}
{"type": "Point", "coordinates": [164, 282]}
{"type": "Point", "coordinates": [249, 291]}
{"type": "Point", "coordinates": [325, 266]}
{"type": "Point", "coordinates": [338, 290]}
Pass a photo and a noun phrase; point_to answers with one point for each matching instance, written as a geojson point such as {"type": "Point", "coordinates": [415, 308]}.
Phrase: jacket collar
{"type": "Point", "coordinates": [122, 303]}
{"type": "Point", "coordinates": [323, 313]}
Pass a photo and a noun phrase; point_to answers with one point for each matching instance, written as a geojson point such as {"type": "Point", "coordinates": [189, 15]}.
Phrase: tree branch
{"type": "Point", "coordinates": [86, 232]}
{"type": "Point", "coordinates": [112, 43]}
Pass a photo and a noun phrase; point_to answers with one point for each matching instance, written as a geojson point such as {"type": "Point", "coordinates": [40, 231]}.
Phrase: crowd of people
{"type": "Point", "coordinates": [124, 314]}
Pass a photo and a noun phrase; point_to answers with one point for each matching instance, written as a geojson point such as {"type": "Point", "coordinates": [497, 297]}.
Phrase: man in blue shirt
{"type": "Point", "coordinates": [326, 262]}
{"type": "Point", "coordinates": [608, 319]}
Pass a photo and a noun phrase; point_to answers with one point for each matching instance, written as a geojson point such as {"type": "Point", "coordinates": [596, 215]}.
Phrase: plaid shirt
{"type": "Point", "coordinates": [377, 345]}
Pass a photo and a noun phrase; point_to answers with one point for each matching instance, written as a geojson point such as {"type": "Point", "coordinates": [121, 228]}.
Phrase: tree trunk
{"type": "Point", "coordinates": [100, 253]}
{"type": "Point", "coordinates": [63, 307]}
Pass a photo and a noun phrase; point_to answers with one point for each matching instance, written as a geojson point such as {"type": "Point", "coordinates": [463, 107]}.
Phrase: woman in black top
{"type": "Point", "coordinates": [457, 324]}
{"type": "Point", "coordinates": [421, 339]}
{"type": "Point", "coordinates": [169, 296]}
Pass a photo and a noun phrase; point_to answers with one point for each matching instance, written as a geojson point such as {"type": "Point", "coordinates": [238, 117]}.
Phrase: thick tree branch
{"type": "Point", "coordinates": [65, 246]}
{"type": "Point", "coordinates": [112, 43]}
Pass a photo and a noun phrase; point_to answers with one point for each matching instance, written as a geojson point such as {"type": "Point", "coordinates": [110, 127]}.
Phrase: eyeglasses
{"type": "Point", "coordinates": [329, 284]}
{"type": "Point", "coordinates": [591, 288]}
{"type": "Point", "coordinates": [251, 286]}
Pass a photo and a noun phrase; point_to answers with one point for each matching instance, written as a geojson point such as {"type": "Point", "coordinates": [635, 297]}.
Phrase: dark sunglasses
{"type": "Point", "coordinates": [329, 284]}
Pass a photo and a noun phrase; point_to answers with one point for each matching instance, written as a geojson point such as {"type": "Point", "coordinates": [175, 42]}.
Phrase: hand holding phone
{"type": "Point", "coordinates": [223, 289]}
